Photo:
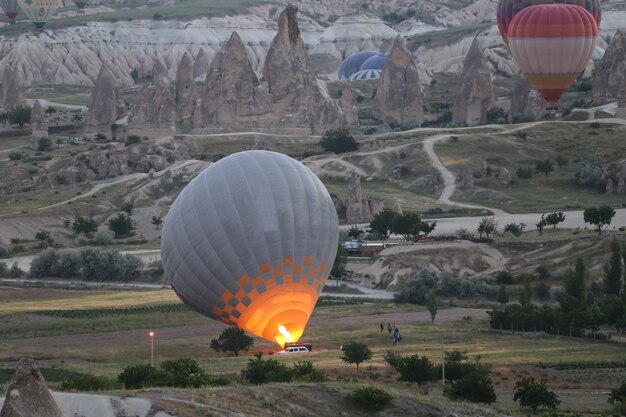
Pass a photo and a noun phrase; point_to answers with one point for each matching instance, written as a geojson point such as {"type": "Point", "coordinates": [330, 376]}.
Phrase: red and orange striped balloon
{"type": "Point", "coordinates": [552, 44]}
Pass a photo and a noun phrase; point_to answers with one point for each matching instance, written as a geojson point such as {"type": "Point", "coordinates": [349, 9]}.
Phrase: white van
{"type": "Point", "coordinates": [294, 349]}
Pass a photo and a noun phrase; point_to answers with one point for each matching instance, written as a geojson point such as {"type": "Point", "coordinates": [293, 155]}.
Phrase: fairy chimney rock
{"type": "Point", "coordinates": [398, 98]}
{"type": "Point", "coordinates": [610, 75]}
{"type": "Point", "coordinates": [12, 90]}
{"type": "Point", "coordinates": [297, 96]}
{"type": "Point", "coordinates": [28, 395]}
{"type": "Point", "coordinates": [156, 104]}
{"type": "Point", "coordinates": [526, 102]}
{"type": "Point", "coordinates": [201, 64]}
{"type": "Point", "coordinates": [229, 95]}
{"type": "Point", "coordinates": [106, 104]}
{"type": "Point", "coordinates": [349, 106]}
{"type": "Point", "coordinates": [474, 95]}
{"type": "Point", "coordinates": [186, 93]}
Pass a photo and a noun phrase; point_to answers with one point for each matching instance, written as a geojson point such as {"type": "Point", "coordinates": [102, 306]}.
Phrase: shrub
{"type": "Point", "coordinates": [4, 270]}
{"type": "Point", "coordinates": [535, 395]}
{"type": "Point", "coordinates": [524, 172]}
{"type": "Point", "coordinates": [260, 371]}
{"type": "Point", "coordinates": [121, 225]}
{"type": "Point", "coordinates": [3, 251]}
{"type": "Point", "coordinates": [370, 398]}
{"type": "Point", "coordinates": [141, 376]}
{"type": "Point", "coordinates": [183, 373]}
{"type": "Point", "coordinates": [504, 277]}
{"type": "Point", "coordinates": [416, 369]}
{"type": "Point", "coordinates": [108, 266]}
{"type": "Point", "coordinates": [84, 225]}
{"type": "Point", "coordinates": [44, 144]}
{"type": "Point", "coordinates": [338, 140]}
{"type": "Point", "coordinates": [476, 386]}
{"type": "Point", "coordinates": [102, 239]}
{"type": "Point", "coordinates": [15, 271]}
{"type": "Point", "coordinates": [89, 383]}
{"type": "Point", "coordinates": [306, 372]}
{"type": "Point", "coordinates": [392, 358]}
{"type": "Point", "coordinates": [15, 156]}
{"type": "Point", "coordinates": [132, 139]}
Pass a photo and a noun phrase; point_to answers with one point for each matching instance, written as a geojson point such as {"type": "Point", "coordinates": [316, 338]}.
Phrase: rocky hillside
{"type": "Point", "coordinates": [438, 32]}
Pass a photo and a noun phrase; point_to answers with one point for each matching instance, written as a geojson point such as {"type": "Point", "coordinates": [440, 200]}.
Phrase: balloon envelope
{"type": "Point", "coordinates": [507, 9]}
{"type": "Point", "coordinates": [353, 63]}
{"type": "Point", "coordinates": [250, 242]}
{"type": "Point", "coordinates": [39, 11]}
{"type": "Point", "coordinates": [10, 8]}
{"type": "Point", "coordinates": [552, 45]}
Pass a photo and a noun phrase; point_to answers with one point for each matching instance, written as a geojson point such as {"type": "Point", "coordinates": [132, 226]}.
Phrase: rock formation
{"type": "Point", "coordinates": [201, 64]}
{"type": "Point", "coordinates": [106, 104]}
{"type": "Point", "coordinates": [297, 96]}
{"type": "Point", "coordinates": [474, 94]}
{"type": "Point", "coordinates": [185, 93]}
{"type": "Point", "coordinates": [230, 86]}
{"type": "Point", "coordinates": [610, 76]}
{"type": "Point", "coordinates": [349, 106]}
{"type": "Point", "coordinates": [28, 395]}
{"type": "Point", "coordinates": [38, 123]}
{"type": "Point", "coordinates": [12, 91]}
{"type": "Point", "coordinates": [615, 177]}
{"type": "Point", "coordinates": [360, 209]}
{"type": "Point", "coordinates": [397, 208]}
{"type": "Point", "coordinates": [156, 105]}
{"type": "Point", "coordinates": [399, 95]}
{"type": "Point", "coordinates": [504, 175]}
{"type": "Point", "coordinates": [526, 102]}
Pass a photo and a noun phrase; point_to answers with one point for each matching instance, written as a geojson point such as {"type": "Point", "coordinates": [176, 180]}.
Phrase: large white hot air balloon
{"type": "Point", "coordinates": [250, 242]}
{"type": "Point", "coordinates": [39, 11]}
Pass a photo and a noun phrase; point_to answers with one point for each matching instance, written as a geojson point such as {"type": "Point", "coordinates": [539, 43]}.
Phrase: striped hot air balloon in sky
{"type": "Point", "coordinates": [552, 44]}
{"type": "Point", "coordinates": [39, 11]}
{"type": "Point", "coordinates": [250, 242]}
{"type": "Point", "coordinates": [10, 8]}
{"type": "Point", "coordinates": [507, 9]}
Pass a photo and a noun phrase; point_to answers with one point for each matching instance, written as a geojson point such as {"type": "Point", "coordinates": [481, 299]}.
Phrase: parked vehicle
{"type": "Point", "coordinates": [293, 349]}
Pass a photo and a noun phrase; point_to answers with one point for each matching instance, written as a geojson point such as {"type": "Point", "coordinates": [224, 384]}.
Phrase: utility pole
{"type": "Point", "coordinates": [443, 362]}
{"type": "Point", "coordinates": [151, 334]}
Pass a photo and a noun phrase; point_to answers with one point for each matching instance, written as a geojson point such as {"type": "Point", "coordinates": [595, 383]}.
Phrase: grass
{"type": "Point", "coordinates": [577, 143]}
{"type": "Point", "coordinates": [10, 143]}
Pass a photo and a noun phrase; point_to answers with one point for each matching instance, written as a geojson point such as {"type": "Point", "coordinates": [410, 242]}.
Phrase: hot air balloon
{"type": "Point", "coordinates": [353, 63]}
{"type": "Point", "coordinates": [11, 9]}
{"type": "Point", "coordinates": [552, 44]}
{"type": "Point", "coordinates": [250, 242]}
{"type": "Point", "coordinates": [507, 9]}
{"type": "Point", "coordinates": [39, 11]}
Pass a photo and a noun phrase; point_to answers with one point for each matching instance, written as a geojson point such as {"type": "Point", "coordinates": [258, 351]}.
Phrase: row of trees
{"type": "Point", "coordinates": [387, 221]}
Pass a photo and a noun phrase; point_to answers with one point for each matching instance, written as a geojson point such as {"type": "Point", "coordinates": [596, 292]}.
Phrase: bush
{"type": "Point", "coordinates": [504, 278]}
{"type": "Point", "coordinates": [392, 358]}
{"type": "Point", "coordinates": [356, 352]}
{"type": "Point", "coordinates": [416, 369]}
{"type": "Point", "coordinates": [306, 372]}
{"type": "Point", "coordinates": [132, 139]}
{"type": "Point", "coordinates": [184, 373]}
{"type": "Point", "coordinates": [260, 371]}
{"type": "Point", "coordinates": [102, 239]}
{"type": "Point", "coordinates": [4, 270]}
{"type": "Point", "coordinates": [89, 383]}
{"type": "Point", "coordinates": [141, 376]}
{"type": "Point", "coordinates": [44, 144]}
{"type": "Point", "coordinates": [15, 271]}
{"type": "Point", "coordinates": [3, 251]}
{"type": "Point", "coordinates": [15, 156]}
{"type": "Point", "coordinates": [108, 266]}
{"type": "Point", "coordinates": [338, 140]}
{"type": "Point", "coordinates": [121, 225]}
{"type": "Point", "coordinates": [84, 225]}
{"type": "Point", "coordinates": [55, 264]}
{"type": "Point", "coordinates": [524, 172]}
{"type": "Point", "coordinates": [476, 386]}
{"type": "Point", "coordinates": [370, 398]}
{"type": "Point", "coordinates": [535, 395]}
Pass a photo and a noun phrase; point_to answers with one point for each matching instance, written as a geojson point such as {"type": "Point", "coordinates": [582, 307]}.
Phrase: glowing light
{"type": "Point", "coordinates": [286, 334]}
{"type": "Point", "coordinates": [151, 334]}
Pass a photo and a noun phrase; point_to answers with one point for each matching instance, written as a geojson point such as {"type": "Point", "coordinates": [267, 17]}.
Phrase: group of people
{"type": "Point", "coordinates": [396, 333]}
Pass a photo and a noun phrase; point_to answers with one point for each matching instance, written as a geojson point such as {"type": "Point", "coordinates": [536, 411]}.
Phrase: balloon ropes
{"type": "Point", "coordinates": [507, 9]}
{"type": "Point", "coordinates": [250, 242]}
{"type": "Point", "coordinates": [11, 9]}
{"type": "Point", "coordinates": [39, 11]}
{"type": "Point", "coordinates": [552, 44]}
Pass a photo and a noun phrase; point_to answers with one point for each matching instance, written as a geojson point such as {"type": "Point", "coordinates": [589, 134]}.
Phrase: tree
{"type": "Point", "coordinates": [561, 161]}
{"type": "Point", "coordinates": [475, 386]}
{"type": "Point", "coordinates": [20, 115]}
{"type": "Point", "coordinates": [599, 216]}
{"type": "Point", "coordinates": [407, 225]}
{"type": "Point", "coordinates": [487, 225]}
{"type": "Point", "coordinates": [515, 229]}
{"type": "Point", "coordinates": [44, 144]}
{"type": "Point", "coordinates": [338, 140]}
{"type": "Point", "coordinates": [555, 218]}
{"type": "Point", "coordinates": [156, 221]}
{"type": "Point", "coordinates": [355, 232]}
{"type": "Point", "coordinates": [232, 339]}
{"type": "Point", "coordinates": [575, 295]}
{"type": "Point", "coordinates": [183, 373]}
{"type": "Point", "coordinates": [533, 395]}
{"type": "Point", "coordinates": [427, 228]}
{"type": "Point", "coordinates": [525, 293]}
{"type": "Point", "coordinates": [44, 237]}
{"type": "Point", "coordinates": [140, 376]}
{"type": "Point", "coordinates": [613, 270]}
{"type": "Point", "coordinates": [84, 225]}
{"type": "Point", "coordinates": [546, 166]}
{"type": "Point", "coordinates": [431, 304]}
{"type": "Point", "coordinates": [128, 207]}
{"type": "Point", "coordinates": [502, 296]}
{"type": "Point", "coordinates": [121, 225]}
{"type": "Point", "coordinates": [416, 369]}
{"type": "Point", "coordinates": [356, 352]}
{"type": "Point", "coordinates": [341, 260]}
{"type": "Point", "coordinates": [382, 223]}
{"type": "Point", "coordinates": [541, 224]}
